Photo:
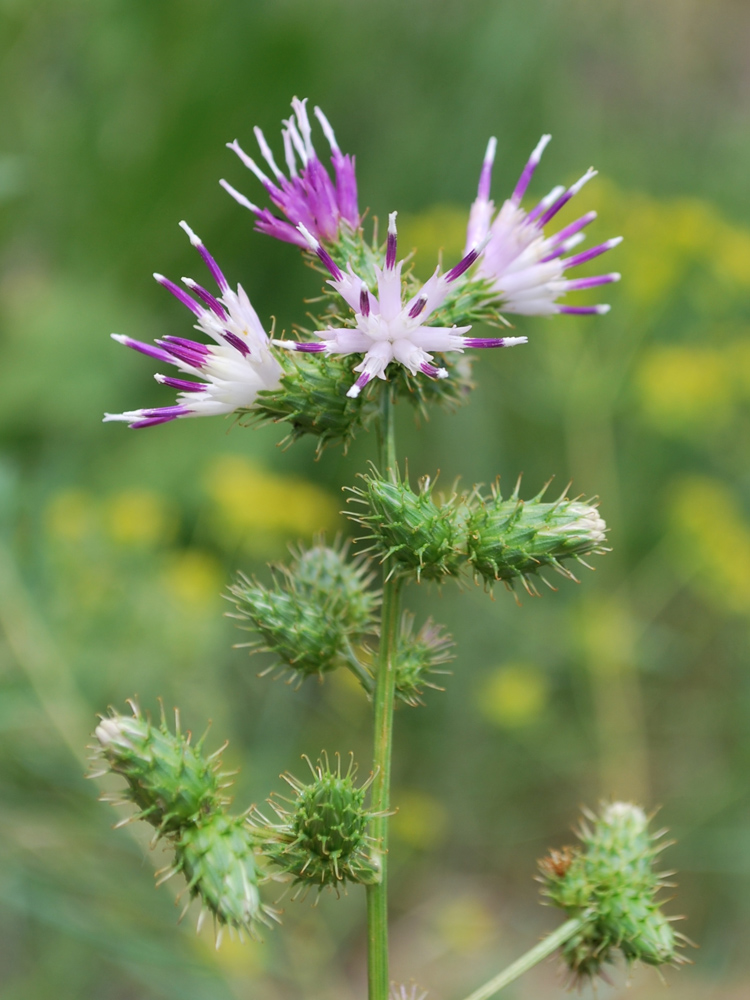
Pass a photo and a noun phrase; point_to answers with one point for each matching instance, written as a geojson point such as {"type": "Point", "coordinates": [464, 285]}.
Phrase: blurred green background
{"type": "Point", "coordinates": [115, 546]}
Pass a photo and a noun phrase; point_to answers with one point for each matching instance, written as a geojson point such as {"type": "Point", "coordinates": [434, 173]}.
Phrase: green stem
{"type": "Point", "coordinates": [385, 684]}
{"type": "Point", "coordinates": [540, 951]}
{"type": "Point", "coordinates": [359, 671]}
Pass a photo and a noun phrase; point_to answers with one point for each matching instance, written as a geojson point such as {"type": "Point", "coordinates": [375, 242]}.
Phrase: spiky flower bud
{"type": "Point", "coordinates": [610, 883]}
{"type": "Point", "coordinates": [418, 657]}
{"type": "Point", "coordinates": [513, 539]}
{"type": "Point", "coordinates": [217, 858]}
{"type": "Point", "coordinates": [170, 780]}
{"type": "Point", "coordinates": [322, 837]}
{"type": "Point", "coordinates": [317, 607]}
{"type": "Point", "coordinates": [312, 399]}
{"type": "Point", "coordinates": [422, 537]}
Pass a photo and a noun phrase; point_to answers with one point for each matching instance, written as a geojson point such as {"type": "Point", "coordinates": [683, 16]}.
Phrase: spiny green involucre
{"type": "Point", "coordinates": [317, 607]}
{"type": "Point", "coordinates": [179, 791]}
{"type": "Point", "coordinates": [512, 540]}
{"type": "Point", "coordinates": [421, 536]}
{"type": "Point", "coordinates": [311, 398]}
{"type": "Point", "coordinates": [610, 883]}
{"type": "Point", "coordinates": [322, 838]}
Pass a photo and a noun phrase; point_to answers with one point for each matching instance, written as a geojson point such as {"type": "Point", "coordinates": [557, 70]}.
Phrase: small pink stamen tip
{"type": "Point", "coordinates": [354, 391]}
{"type": "Point", "coordinates": [489, 156]}
{"type": "Point", "coordinates": [539, 148]}
{"type": "Point", "coordinates": [390, 252]}
{"type": "Point", "coordinates": [195, 240]}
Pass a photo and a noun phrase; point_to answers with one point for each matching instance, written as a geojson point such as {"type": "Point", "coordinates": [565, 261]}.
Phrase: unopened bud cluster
{"type": "Point", "coordinates": [179, 791]}
{"type": "Point", "coordinates": [321, 839]}
{"type": "Point", "coordinates": [610, 882]}
{"type": "Point", "coordinates": [496, 539]}
{"type": "Point", "coordinates": [316, 608]}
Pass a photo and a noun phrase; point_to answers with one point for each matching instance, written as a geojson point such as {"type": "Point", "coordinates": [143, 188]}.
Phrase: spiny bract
{"type": "Point", "coordinates": [513, 539]}
{"type": "Point", "coordinates": [322, 838]}
{"type": "Point", "coordinates": [317, 606]}
{"type": "Point", "coordinates": [170, 780]}
{"type": "Point", "coordinates": [217, 858]}
{"type": "Point", "coordinates": [422, 537]}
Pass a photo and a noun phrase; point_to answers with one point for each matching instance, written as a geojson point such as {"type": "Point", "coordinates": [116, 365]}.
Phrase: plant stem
{"type": "Point", "coordinates": [545, 947]}
{"type": "Point", "coordinates": [385, 682]}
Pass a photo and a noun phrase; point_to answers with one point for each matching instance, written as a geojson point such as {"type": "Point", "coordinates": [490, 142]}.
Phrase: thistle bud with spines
{"type": "Point", "coordinates": [217, 858]}
{"type": "Point", "coordinates": [611, 884]}
{"type": "Point", "coordinates": [419, 656]}
{"type": "Point", "coordinates": [512, 539]}
{"type": "Point", "coordinates": [321, 839]}
{"type": "Point", "coordinates": [168, 779]}
{"type": "Point", "coordinates": [420, 536]}
{"type": "Point", "coordinates": [316, 608]}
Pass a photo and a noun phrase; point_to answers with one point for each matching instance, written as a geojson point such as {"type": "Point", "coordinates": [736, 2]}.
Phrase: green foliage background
{"type": "Point", "coordinates": [115, 546]}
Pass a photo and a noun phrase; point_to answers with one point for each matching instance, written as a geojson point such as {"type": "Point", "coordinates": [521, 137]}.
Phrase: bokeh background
{"type": "Point", "coordinates": [116, 546]}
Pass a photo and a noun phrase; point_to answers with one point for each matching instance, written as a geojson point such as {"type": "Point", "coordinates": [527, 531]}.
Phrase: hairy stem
{"type": "Point", "coordinates": [532, 957]}
{"type": "Point", "coordinates": [385, 683]}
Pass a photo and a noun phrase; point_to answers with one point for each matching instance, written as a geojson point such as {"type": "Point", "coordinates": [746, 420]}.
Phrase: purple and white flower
{"type": "Point", "coordinates": [526, 267]}
{"type": "Point", "coordinates": [234, 369]}
{"type": "Point", "coordinates": [308, 196]}
{"type": "Point", "coordinates": [386, 328]}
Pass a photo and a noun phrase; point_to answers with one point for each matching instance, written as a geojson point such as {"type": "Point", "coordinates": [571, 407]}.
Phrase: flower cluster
{"type": "Point", "coordinates": [384, 316]}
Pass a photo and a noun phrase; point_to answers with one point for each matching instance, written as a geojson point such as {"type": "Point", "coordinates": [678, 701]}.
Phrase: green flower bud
{"type": "Point", "coordinates": [316, 608]}
{"type": "Point", "coordinates": [217, 858]}
{"type": "Point", "coordinates": [170, 781]}
{"type": "Point", "coordinates": [311, 398]}
{"type": "Point", "coordinates": [322, 838]}
{"type": "Point", "coordinates": [511, 539]}
{"type": "Point", "coordinates": [611, 884]}
{"type": "Point", "coordinates": [418, 656]}
{"type": "Point", "coordinates": [419, 535]}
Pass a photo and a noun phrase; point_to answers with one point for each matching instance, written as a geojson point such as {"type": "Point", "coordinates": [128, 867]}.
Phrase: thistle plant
{"type": "Point", "coordinates": [381, 337]}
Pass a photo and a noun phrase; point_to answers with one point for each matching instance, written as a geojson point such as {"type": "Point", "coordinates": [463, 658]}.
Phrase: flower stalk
{"type": "Point", "coordinates": [546, 947]}
{"type": "Point", "coordinates": [384, 697]}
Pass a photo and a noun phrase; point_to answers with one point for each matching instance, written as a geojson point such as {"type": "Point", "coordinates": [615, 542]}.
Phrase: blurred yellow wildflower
{"type": "Point", "coordinates": [138, 517]}
{"type": "Point", "coordinates": [686, 388]}
{"type": "Point", "coordinates": [71, 515]}
{"type": "Point", "coordinates": [713, 541]}
{"type": "Point", "coordinates": [465, 923]}
{"type": "Point", "coordinates": [513, 695]}
{"type": "Point", "coordinates": [441, 228]}
{"type": "Point", "coordinates": [194, 579]}
{"type": "Point", "coordinates": [420, 820]}
{"type": "Point", "coordinates": [260, 510]}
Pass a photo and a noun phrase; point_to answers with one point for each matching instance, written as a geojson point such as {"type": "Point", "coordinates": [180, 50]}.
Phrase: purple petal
{"type": "Point", "coordinates": [181, 383]}
{"type": "Point", "coordinates": [179, 294]}
{"type": "Point", "coordinates": [587, 255]}
{"type": "Point", "coordinates": [528, 171]}
{"type": "Point", "coordinates": [213, 304]}
{"type": "Point", "coordinates": [236, 342]}
{"type": "Point", "coordinates": [148, 349]}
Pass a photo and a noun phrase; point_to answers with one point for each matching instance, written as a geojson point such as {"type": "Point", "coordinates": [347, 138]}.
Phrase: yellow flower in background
{"type": "Point", "coordinates": [686, 388]}
{"type": "Point", "coordinates": [465, 923]}
{"type": "Point", "coordinates": [71, 515]}
{"type": "Point", "coordinates": [138, 517]}
{"type": "Point", "coordinates": [713, 541]}
{"type": "Point", "coordinates": [194, 579]}
{"type": "Point", "coordinates": [420, 820]}
{"type": "Point", "coordinates": [513, 695]}
{"type": "Point", "coordinates": [260, 509]}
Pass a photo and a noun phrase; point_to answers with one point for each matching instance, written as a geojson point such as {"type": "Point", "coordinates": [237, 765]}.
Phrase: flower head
{"type": "Point", "coordinates": [526, 267]}
{"type": "Point", "coordinates": [234, 370]}
{"type": "Point", "coordinates": [385, 327]}
{"type": "Point", "coordinates": [308, 196]}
